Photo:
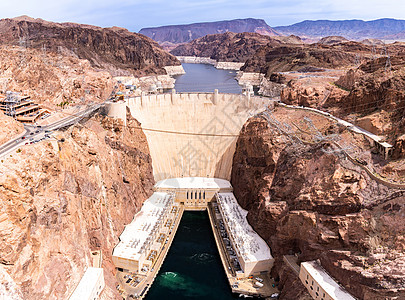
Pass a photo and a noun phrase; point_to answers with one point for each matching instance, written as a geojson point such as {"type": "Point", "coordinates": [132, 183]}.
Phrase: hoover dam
{"type": "Point", "coordinates": [193, 134]}
{"type": "Point", "coordinates": [192, 139]}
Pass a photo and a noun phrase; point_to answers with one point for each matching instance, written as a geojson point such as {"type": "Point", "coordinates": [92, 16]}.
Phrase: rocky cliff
{"type": "Point", "coordinates": [10, 128]}
{"type": "Point", "coordinates": [229, 46]}
{"type": "Point", "coordinates": [52, 79]}
{"type": "Point", "coordinates": [62, 198]}
{"type": "Point", "coordinates": [178, 34]}
{"type": "Point", "coordinates": [311, 202]}
{"type": "Point", "coordinates": [114, 49]}
{"type": "Point", "coordinates": [269, 59]}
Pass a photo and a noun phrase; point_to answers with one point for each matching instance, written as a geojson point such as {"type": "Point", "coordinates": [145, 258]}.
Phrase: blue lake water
{"type": "Point", "coordinates": [205, 78]}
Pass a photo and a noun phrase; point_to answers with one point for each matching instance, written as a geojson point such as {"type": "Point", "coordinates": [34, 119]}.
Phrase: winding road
{"type": "Point", "coordinates": [35, 133]}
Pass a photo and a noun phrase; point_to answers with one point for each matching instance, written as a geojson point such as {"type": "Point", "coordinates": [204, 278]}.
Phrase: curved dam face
{"type": "Point", "coordinates": [193, 134]}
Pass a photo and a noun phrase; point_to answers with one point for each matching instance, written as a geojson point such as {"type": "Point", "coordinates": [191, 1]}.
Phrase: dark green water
{"type": "Point", "coordinates": [193, 268]}
{"type": "Point", "coordinates": [205, 78]}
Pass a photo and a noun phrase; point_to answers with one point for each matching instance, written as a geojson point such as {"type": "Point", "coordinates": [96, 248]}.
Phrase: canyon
{"type": "Point", "coordinates": [64, 198]}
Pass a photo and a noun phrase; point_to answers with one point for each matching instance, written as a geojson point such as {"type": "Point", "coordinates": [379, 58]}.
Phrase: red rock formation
{"type": "Point", "coordinates": [306, 201]}
{"type": "Point", "coordinates": [53, 79]}
{"type": "Point", "coordinates": [229, 46]}
{"type": "Point", "coordinates": [61, 200]}
{"type": "Point", "coordinates": [10, 128]}
{"type": "Point", "coordinates": [114, 49]}
{"type": "Point", "coordinates": [269, 59]}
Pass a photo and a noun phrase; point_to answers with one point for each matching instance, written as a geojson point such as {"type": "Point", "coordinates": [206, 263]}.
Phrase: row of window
{"type": "Point", "coordinates": [197, 195]}
{"type": "Point", "coordinates": [317, 289]}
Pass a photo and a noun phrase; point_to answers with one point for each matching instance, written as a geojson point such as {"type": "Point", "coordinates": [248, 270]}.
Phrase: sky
{"type": "Point", "coordinates": [136, 14]}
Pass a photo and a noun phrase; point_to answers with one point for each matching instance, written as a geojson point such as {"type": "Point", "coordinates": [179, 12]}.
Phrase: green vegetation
{"type": "Point", "coordinates": [18, 150]}
{"type": "Point", "coordinates": [63, 103]}
{"type": "Point", "coordinates": [340, 87]}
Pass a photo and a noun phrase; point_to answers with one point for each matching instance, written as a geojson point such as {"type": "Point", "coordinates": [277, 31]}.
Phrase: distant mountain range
{"type": "Point", "coordinates": [177, 34]}
{"type": "Point", "coordinates": [311, 31]}
{"type": "Point", "coordinates": [351, 29]}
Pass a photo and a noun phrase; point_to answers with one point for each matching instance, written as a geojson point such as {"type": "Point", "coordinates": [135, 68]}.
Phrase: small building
{"type": "Point", "coordinates": [21, 108]}
{"type": "Point", "coordinates": [251, 250]}
{"type": "Point", "coordinates": [247, 90]}
{"type": "Point", "coordinates": [194, 192]}
{"type": "Point", "coordinates": [90, 286]}
{"type": "Point", "coordinates": [385, 149]}
{"type": "Point", "coordinates": [153, 89]}
{"type": "Point", "coordinates": [319, 284]}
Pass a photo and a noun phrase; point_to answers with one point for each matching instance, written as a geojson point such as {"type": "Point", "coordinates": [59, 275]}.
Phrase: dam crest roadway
{"type": "Point", "coordinates": [192, 139]}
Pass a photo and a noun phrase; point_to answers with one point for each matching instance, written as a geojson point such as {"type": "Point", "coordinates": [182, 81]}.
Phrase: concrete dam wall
{"type": "Point", "coordinates": [193, 134]}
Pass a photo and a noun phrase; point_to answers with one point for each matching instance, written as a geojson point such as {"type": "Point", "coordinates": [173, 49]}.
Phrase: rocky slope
{"type": "Point", "coordinates": [269, 59]}
{"type": "Point", "coordinates": [229, 46]}
{"type": "Point", "coordinates": [10, 128]}
{"type": "Point", "coordinates": [52, 79]}
{"type": "Point", "coordinates": [302, 199]}
{"type": "Point", "coordinates": [67, 196]}
{"type": "Point", "coordinates": [376, 90]}
{"type": "Point", "coordinates": [178, 34]}
{"type": "Point", "coordinates": [114, 49]}
{"type": "Point", "coordinates": [351, 29]}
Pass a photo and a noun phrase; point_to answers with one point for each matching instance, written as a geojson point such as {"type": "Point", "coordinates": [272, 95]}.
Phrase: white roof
{"type": "Point", "coordinates": [194, 183]}
{"type": "Point", "coordinates": [325, 281]}
{"type": "Point", "coordinates": [248, 243]}
{"type": "Point", "coordinates": [137, 234]}
{"type": "Point", "coordinates": [87, 284]}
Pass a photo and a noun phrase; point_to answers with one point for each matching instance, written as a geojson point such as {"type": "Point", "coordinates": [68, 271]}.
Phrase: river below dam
{"type": "Point", "coordinates": [193, 267]}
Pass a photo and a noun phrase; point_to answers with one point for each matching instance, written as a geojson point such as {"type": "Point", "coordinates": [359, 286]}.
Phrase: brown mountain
{"type": "Point", "coordinates": [269, 59]}
{"type": "Point", "coordinates": [229, 46]}
{"type": "Point", "coordinates": [115, 49]}
{"type": "Point", "coordinates": [178, 34]}
{"type": "Point", "coordinates": [331, 40]}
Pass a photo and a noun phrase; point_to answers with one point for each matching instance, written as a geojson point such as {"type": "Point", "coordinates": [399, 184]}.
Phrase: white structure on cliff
{"type": "Point", "coordinates": [194, 192]}
{"type": "Point", "coordinates": [252, 251]}
{"type": "Point", "coordinates": [90, 286]}
{"type": "Point", "coordinates": [319, 284]}
{"type": "Point", "coordinates": [139, 242]}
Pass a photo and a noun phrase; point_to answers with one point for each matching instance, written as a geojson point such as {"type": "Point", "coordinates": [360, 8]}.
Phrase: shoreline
{"type": "Point", "coordinates": [220, 65]}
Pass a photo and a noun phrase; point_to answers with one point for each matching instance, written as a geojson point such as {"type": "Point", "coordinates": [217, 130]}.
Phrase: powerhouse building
{"type": "Point", "coordinates": [252, 251]}
{"type": "Point", "coordinates": [194, 192]}
{"type": "Point", "coordinates": [137, 249]}
{"type": "Point", "coordinates": [144, 236]}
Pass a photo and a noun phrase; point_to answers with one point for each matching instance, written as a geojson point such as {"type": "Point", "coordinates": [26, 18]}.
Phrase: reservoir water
{"type": "Point", "coordinates": [193, 267]}
{"type": "Point", "coordinates": [205, 78]}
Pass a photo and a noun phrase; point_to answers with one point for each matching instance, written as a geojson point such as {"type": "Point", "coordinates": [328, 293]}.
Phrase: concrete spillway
{"type": "Point", "coordinates": [193, 134]}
